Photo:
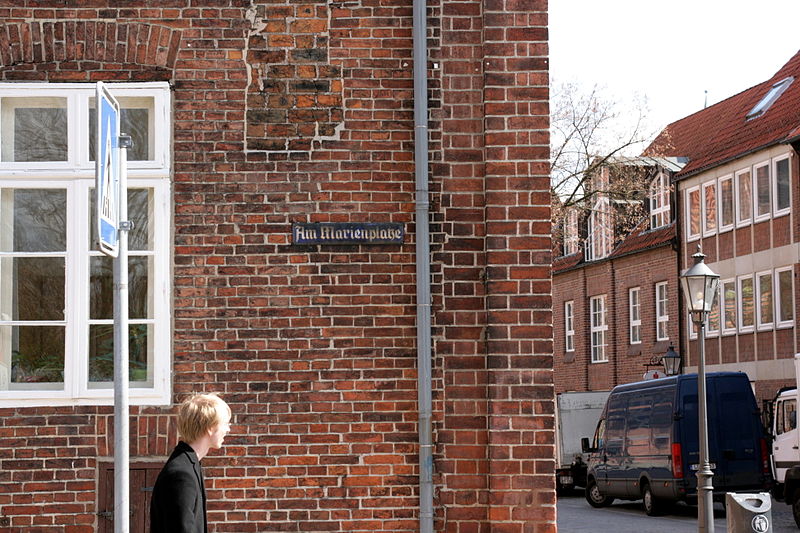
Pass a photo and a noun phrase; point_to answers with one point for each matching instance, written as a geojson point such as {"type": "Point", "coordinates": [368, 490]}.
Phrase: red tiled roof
{"type": "Point", "coordinates": [721, 132]}
{"type": "Point", "coordinates": [567, 261]}
{"type": "Point", "coordinates": [641, 238]}
{"type": "Point", "coordinates": [638, 240]}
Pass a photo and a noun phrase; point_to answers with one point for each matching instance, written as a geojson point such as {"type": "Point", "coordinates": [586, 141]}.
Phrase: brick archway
{"type": "Point", "coordinates": [81, 50]}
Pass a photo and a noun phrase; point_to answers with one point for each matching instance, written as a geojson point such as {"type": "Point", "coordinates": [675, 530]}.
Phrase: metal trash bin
{"type": "Point", "coordinates": [749, 513]}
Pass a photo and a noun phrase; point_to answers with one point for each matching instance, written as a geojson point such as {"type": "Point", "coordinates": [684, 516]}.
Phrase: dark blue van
{"type": "Point", "coordinates": [646, 442]}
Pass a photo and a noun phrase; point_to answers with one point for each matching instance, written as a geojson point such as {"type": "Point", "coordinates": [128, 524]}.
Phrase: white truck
{"type": "Point", "coordinates": [785, 457]}
{"type": "Point", "coordinates": [577, 414]}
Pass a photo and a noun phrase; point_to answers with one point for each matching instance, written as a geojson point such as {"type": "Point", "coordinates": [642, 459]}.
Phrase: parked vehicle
{"type": "Point", "coordinates": [646, 442]}
{"type": "Point", "coordinates": [577, 414]}
{"type": "Point", "coordinates": [786, 446]}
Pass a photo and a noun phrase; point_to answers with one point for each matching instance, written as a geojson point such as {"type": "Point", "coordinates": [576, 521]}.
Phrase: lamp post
{"type": "Point", "coordinates": [671, 361]}
{"type": "Point", "coordinates": [700, 288]}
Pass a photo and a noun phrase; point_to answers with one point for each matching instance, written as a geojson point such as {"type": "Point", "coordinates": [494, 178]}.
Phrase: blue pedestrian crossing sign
{"type": "Point", "coordinates": [107, 171]}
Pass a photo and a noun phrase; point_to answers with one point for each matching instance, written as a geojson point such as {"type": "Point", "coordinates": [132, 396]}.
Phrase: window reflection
{"type": "Point", "coordinates": [33, 129]}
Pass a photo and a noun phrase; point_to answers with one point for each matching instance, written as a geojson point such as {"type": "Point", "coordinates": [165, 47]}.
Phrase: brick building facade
{"type": "Point", "coordinates": [616, 315]}
{"type": "Point", "coordinates": [253, 116]}
{"type": "Point", "coordinates": [738, 204]}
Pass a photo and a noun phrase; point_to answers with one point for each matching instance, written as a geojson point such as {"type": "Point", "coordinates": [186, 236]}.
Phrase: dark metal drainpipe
{"type": "Point", "coordinates": [423, 268]}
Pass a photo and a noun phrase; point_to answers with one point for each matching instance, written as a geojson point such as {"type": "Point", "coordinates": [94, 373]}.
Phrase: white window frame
{"type": "Point", "coordinates": [740, 303]}
{"type": "Point", "coordinates": [599, 328]}
{"type": "Point", "coordinates": [635, 316]}
{"type": "Point", "coordinates": [659, 201]}
{"type": "Point", "coordinates": [760, 323]}
{"type": "Point", "coordinates": [662, 310]}
{"type": "Point", "coordinates": [720, 207]}
{"type": "Point", "coordinates": [569, 326]}
{"type": "Point", "coordinates": [758, 215]}
{"type": "Point", "coordinates": [723, 319]}
{"type": "Point", "coordinates": [738, 178]}
{"type": "Point", "coordinates": [776, 211]}
{"type": "Point", "coordinates": [780, 324]}
{"type": "Point", "coordinates": [689, 235]}
{"type": "Point", "coordinates": [600, 228]}
{"type": "Point", "coordinates": [76, 176]}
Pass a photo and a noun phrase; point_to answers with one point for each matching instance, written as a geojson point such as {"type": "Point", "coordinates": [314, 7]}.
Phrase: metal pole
{"type": "Point", "coordinates": [121, 429]}
{"type": "Point", "coordinates": [705, 500]}
{"type": "Point", "coordinates": [424, 394]}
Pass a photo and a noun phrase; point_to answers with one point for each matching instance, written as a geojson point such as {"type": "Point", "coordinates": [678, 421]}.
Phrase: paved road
{"type": "Point", "coordinates": [576, 516]}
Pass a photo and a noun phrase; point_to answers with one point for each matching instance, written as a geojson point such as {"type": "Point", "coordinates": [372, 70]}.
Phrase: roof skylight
{"type": "Point", "coordinates": [772, 95]}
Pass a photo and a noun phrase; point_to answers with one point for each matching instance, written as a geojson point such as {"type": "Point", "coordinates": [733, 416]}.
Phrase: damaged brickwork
{"type": "Point", "coordinates": [294, 93]}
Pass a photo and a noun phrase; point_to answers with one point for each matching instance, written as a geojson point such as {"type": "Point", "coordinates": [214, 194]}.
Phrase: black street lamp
{"type": "Point", "coordinates": [671, 361]}
{"type": "Point", "coordinates": [700, 288]}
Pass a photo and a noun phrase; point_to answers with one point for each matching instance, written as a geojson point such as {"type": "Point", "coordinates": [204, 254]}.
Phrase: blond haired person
{"type": "Point", "coordinates": [178, 504]}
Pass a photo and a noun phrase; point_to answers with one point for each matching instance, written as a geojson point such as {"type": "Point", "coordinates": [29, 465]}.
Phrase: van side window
{"type": "Point", "coordinates": [661, 422]}
{"type": "Point", "coordinates": [786, 416]}
{"type": "Point", "coordinates": [640, 408]}
{"type": "Point", "coordinates": [615, 424]}
{"type": "Point", "coordinates": [599, 435]}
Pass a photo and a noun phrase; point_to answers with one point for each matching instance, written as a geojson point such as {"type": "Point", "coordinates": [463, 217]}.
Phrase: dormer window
{"type": "Point", "coordinates": [772, 95]}
{"type": "Point", "coordinates": [601, 228]}
{"type": "Point", "coordinates": [571, 232]}
{"type": "Point", "coordinates": [659, 201]}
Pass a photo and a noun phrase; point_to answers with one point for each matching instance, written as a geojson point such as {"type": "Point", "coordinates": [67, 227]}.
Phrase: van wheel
{"type": "Point", "coordinates": [796, 507]}
{"type": "Point", "coordinates": [652, 506]}
{"type": "Point", "coordinates": [595, 497]}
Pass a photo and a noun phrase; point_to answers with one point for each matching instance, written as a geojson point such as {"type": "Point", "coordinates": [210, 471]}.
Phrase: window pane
{"type": "Point", "coordinates": [765, 298]}
{"type": "Point", "coordinates": [31, 357]}
{"type": "Point", "coordinates": [787, 301]}
{"type": "Point", "coordinates": [137, 118]}
{"type": "Point", "coordinates": [35, 218]}
{"type": "Point", "coordinates": [33, 129]}
{"type": "Point", "coordinates": [745, 196]}
{"type": "Point", "coordinates": [726, 202]}
{"type": "Point", "coordinates": [782, 184]}
{"type": "Point", "coordinates": [694, 212]}
{"type": "Point", "coordinates": [710, 221]}
{"type": "Point", "coordinates": [748, 309]}
{"type": "Point", "coordinates": [729, 293]}
{"type": "Point", "coordinates": [101, 294]}
{"type": "Point", "coordinates": [713, 316]}
{"type": "Point", "coordinates": [762, 189]}
{"type": "Point", "coordinates": [101, 355]}
{"type": "Point", "coordinates": [140, 212]}
{"type": "Point", "coordinates": [32, 288]}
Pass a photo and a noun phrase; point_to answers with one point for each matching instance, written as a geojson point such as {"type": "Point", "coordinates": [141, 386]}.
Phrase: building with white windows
{"type": "Point", "coordinates": [737, 197]}
{"type": "Point", "coordinates": [615, 288]}
{"type": "Point", "coordinates": [250, 122]}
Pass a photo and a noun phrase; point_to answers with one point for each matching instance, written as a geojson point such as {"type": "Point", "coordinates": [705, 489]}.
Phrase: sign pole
{"type": "Point", "coordinates": [121, 339]}
{"type": "Point", "coordinates": [111, 199]}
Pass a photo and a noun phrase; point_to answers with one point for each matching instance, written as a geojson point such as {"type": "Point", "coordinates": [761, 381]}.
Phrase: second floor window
{"type": "Point", "coordinates": [662, 313]}
{"type": "Point", "coordinates": [635, 316]}
{"type": "Point", "coordinates": [599, 326]}
{"type": "Point", "coordinates": [569, 326]}
{"type": "Point", "coordinates": [693, 213]}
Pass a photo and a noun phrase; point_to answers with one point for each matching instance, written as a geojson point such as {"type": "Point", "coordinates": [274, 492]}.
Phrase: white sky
{"type": "Point", "coordinates": [671, 52]}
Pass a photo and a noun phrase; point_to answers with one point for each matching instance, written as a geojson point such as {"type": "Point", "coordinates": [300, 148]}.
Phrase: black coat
{"type": "Point", "coordinates": [178, 504]}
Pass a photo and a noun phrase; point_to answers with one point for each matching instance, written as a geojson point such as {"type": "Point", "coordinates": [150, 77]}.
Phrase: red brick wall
{"type": "Point", "coordinates": [613, 277]}
{"type": "Point", "coordinates": [296, 112]}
